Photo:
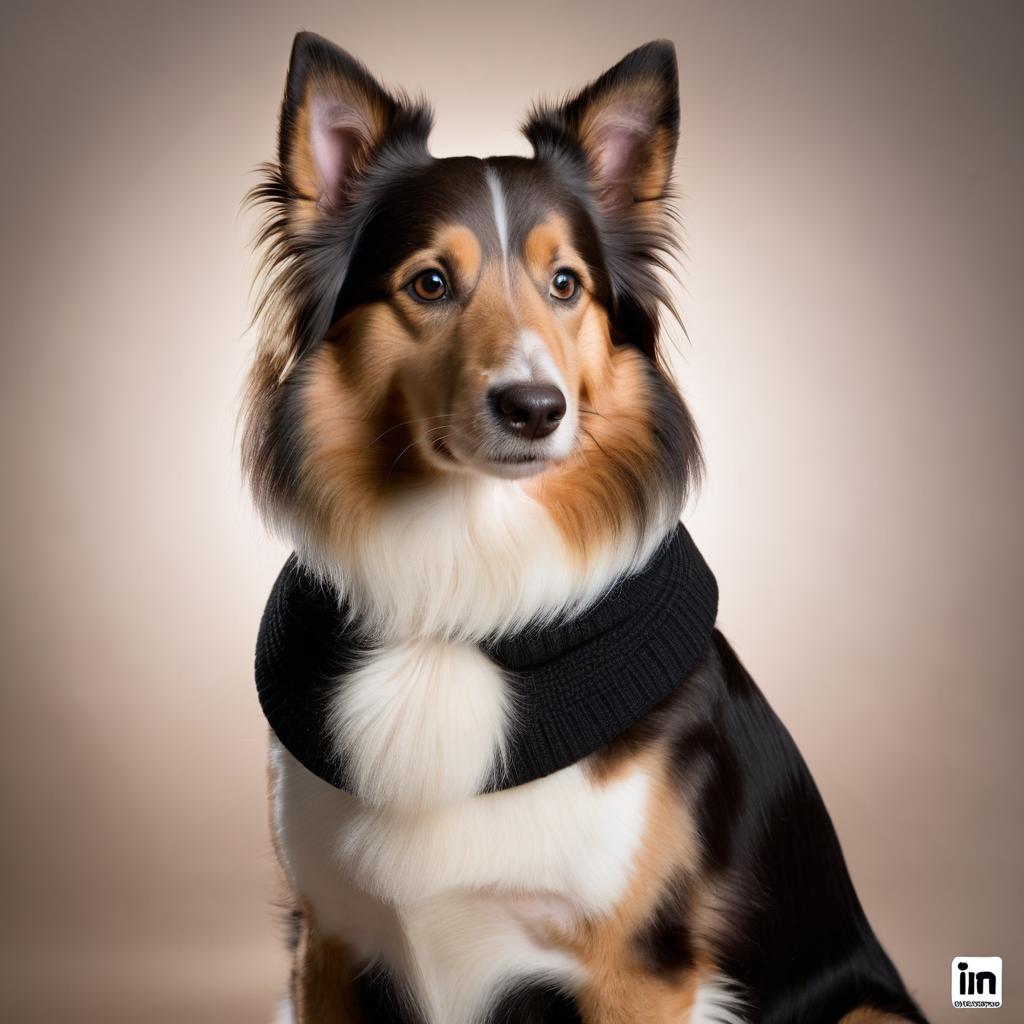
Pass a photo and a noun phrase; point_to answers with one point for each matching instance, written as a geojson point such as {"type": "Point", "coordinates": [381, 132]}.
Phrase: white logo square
{"type": "Point", "coordinates": [977, 982]}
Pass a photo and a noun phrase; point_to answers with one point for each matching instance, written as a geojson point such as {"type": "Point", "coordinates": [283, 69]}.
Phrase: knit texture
{"type": "Point", "coordinates": [576, 685]}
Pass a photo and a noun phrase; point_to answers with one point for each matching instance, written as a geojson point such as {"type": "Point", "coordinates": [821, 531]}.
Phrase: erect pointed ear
{"type": "Point", "coordinates": [625, 125]}
{"type": "Point", "coordinates": [335, 119]}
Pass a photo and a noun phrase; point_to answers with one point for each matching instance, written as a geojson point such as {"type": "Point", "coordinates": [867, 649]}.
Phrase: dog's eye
{"type": "Point", "coordinates": [429, 286]}
{"type": "Point", "coordinates": [564, 285]}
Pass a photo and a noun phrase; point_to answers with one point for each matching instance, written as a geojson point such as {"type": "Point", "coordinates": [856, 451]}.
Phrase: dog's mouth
{"type": "Point", "coordinates": [509, 465]}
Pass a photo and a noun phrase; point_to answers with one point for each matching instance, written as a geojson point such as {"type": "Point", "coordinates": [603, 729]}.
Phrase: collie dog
{"type": "Point", "coordinates": [459, 416]}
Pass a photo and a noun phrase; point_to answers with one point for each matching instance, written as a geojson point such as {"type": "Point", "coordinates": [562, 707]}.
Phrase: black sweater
{"type": "Point", "coordinates": [576, 684]}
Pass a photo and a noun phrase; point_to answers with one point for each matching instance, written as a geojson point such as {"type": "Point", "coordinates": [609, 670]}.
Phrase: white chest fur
{"type": "Point", "coordinates": [421, 724]}
{"type": "Point", "coordinates": [451, 897]}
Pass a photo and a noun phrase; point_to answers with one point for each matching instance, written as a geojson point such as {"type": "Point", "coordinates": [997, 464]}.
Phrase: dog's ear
{"type": "Point", "coordinates": [616, 139]}
{"type": "Point", "coordinates": [624, 126]}
{"type": "Point", "coordinates": [338, 126]}
{"type": "Point", "coordinates": [335, 120]}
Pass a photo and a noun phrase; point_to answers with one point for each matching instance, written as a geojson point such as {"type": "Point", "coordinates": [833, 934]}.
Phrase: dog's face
{"type": "Point", "coordinates": [485, 318]}
{"type": "Point", "coordinates": [477, 296]}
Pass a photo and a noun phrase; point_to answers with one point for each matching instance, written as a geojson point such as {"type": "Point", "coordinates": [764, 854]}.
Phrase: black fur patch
{"type": "Point", "coordinates": [381, 1000]}
{"type": "Point", "coordinates": [792, 935]}
{"type": "Point", "coordinates": [663, 945]}
{"type": "Point", "coordinates": [535, 1004]}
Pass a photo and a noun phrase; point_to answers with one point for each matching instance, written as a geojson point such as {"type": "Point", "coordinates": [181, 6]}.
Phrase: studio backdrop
{"type": "Point", "coordinates": [850, 177]}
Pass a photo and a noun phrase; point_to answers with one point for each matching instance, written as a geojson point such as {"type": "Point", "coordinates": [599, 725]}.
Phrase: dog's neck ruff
{"type": "Point", "coordinates": [575, 685]}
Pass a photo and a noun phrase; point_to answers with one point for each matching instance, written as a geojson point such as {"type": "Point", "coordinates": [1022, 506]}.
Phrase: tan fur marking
{"type": "Point", "coordinates": [336, 424]}
{"type": "Point", "coordinates": [453, 245]}
{"type": "Point", "coordinates": [548, 246]}
{"type": "Point", "coordinates": [624, 998]}
{"type": "Point", "coordinates": [353, 456]}
{"type": "Point", "coordinates": [711, 913]}
{"type": "Point", "coordinates": [370, 344]}
{"type": "Point", "coordinates": [463, 250]}
{"type": "Point", "coordinates": [302, 170]}
{"type": "Point", "coordinates": [322, 979]}
{"type": "Point", "coordinates": [585, 496]}
{"type": "Point", "coordinates": [622, 989]}
{"type": "Point", "coordinates": [320, 985]}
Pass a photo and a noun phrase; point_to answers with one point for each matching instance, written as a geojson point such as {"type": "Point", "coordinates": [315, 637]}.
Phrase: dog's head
{"type": "Point", "coordinates": [437, 320]}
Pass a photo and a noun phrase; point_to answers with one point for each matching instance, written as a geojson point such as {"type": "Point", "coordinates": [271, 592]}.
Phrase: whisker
{"type": "Point", "coordinates": [405, 423]}
{"type": "Point", "coordinates": [412, 444]}
{"type": "Point", "coordinates": [591, 411]}
{"type": "Point", "coordinates": [595, 440]}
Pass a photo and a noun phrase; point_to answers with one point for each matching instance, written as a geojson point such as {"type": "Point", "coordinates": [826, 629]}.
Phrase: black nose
{"type": "Point", "coordinates": [530, 410]}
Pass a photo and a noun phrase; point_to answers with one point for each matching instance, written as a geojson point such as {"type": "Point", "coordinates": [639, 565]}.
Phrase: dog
{"type": "Point", "coordinates": [516, 774]}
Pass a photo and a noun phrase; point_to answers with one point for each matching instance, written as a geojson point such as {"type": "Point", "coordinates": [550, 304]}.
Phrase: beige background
{"type": "Point", "coordinates": [853, 294]}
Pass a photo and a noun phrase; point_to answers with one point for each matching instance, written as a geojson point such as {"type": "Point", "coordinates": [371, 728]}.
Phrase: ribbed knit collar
{"type": "Point", "coordinates": [576, 684]}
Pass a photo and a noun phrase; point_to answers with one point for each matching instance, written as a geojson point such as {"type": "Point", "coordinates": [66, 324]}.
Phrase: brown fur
{"type": "Point", "coordinates": [321, 972]}
{"type": "Point", "coordinates": [321, 985]}
{"type": "Point", "coordinates": [625, 986]}
{"type": "Point", "coordinates": [627, 997]}
{"type": "Point", "coordinates": [587, 496]}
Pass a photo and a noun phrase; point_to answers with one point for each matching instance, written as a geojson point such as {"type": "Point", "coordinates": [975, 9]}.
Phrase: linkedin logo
{"type": "Point", "coordinates": [977, 982]}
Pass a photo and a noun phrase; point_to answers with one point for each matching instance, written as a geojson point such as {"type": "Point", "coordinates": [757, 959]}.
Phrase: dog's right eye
{"type": "Point", "coordinates": [429, 286]}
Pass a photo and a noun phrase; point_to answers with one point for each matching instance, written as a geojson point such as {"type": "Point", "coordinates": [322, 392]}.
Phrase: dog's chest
{"type": "Point", "coordinates": [455, 893]}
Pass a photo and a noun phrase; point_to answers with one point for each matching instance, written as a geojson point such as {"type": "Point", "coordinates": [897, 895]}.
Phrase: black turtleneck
{"type": "Point", "coordinates": [576, 684]}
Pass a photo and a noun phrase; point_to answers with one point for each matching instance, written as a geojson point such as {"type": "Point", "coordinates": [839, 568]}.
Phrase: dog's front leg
{"type": "Point", "coordinates": [321, 984]}
{"type": "Point", "coordinates": [625, 993]}
{"type": "Point", "coordinates": [627, 980]}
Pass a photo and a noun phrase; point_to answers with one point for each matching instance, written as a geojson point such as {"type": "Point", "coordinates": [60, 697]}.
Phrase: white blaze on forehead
{"type": "Point", "coordinates": [500, 211]}
{"type": "Point", "coordinates": [531, 360]}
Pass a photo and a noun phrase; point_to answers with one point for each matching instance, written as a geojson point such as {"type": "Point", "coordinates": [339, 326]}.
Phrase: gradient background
{"type": "Point", "coordinates": [853, 291]}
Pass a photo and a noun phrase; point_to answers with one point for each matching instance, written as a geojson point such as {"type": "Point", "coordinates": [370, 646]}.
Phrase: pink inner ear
{"type": "Point", "coordinates": [619, 139]}
{"type": "Point", "coordinates": [337, 131]}
{"type": "Point", "coordinates": [619, 149]}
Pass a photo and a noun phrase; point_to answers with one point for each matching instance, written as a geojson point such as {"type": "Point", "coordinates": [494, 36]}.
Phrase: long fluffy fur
{"type": "Point", "coordinates": [688, 870]}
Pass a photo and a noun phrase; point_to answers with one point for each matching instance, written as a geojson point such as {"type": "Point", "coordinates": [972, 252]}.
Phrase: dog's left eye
{"type": "Point", "coordinates": [429, 286]}
{"type": "Point", "coordinates": [564, 285]}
